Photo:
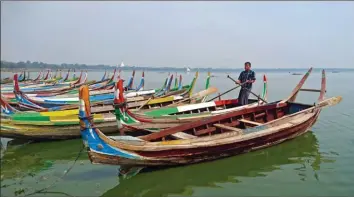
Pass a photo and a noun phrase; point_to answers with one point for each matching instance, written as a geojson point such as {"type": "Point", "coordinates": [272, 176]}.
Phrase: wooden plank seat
{"type": "Point", "coordinates": [250, 122]}
{"type": "Point", "coordinates": [221, 126]}
{"type": "Point", "coordinates": [179, 135]}
{"type": "Point", "coordinates": [182, 135]}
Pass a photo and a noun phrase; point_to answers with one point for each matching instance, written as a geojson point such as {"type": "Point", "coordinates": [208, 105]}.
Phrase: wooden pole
{"type": "Point", "coordinates": [219, 96]}
{"type": "Point", "coordinates": [248, 89]}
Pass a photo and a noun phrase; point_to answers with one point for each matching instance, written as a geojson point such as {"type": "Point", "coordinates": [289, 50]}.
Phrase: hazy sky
{"type": "Point", "coordinates": [198, 34]}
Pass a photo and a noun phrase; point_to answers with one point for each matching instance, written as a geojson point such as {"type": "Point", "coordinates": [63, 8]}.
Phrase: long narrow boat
{"type": "Point", "coordinates": [33, 101]}
{"type": "Point", "coordinates": [74, 83]}
{"type": "Point", "coordinates": [49, 88]}
{"type": "Point", "coordinates": [58, 124]}
{"type": "Point", "coordinates": [99, 96]}
{"type": "Point", "coordinates": [212, 138]}
{"type": "Point", "coordinates": [163, 100]}
{"type": "Point", "coordinates": [152, 120]}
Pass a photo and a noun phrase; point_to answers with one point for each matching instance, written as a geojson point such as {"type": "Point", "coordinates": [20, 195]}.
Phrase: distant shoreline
{"type": "Point", "coordinates": [40, 66]}
{"type": "Point", "coordinates": [172, 70]}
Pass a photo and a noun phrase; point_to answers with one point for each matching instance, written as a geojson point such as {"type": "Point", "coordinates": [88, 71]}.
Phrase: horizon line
{"type": "Point", "coordinates": [173, 67]}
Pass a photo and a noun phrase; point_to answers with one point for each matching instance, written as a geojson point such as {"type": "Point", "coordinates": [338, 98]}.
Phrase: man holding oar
{"type": "Point", "coordinates": [247, 78]}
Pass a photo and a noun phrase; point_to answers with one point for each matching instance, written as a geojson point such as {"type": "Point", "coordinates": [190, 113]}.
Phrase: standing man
{"type": "Point", "coordinates": [248, 77]}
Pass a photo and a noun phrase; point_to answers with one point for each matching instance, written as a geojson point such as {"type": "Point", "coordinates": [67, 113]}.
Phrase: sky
{"type": "Point", "coordinates": [177, 34]}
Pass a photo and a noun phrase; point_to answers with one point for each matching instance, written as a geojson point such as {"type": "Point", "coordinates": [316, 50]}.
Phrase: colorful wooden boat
{"type": "Point", "coordinates": [212, 138]}
{"type": "Point", "coordinates": [99, 96]}
{"type": "Point", "coordinates": [50, 125]}
{"type": "Point", "coordinates": [155, 119]}
{"type": "Point", "coordinates": [48, 88]}
{"type": "Point", "coordinates": [54, 124]}
{"type": "Point", "coordinates": [106, 85]}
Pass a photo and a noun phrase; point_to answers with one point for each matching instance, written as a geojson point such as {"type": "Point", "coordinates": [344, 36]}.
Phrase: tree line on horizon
{"type": "Point", "coordinates": [64, 66]}
{"type": "Point", "coordinates": [42, 65]}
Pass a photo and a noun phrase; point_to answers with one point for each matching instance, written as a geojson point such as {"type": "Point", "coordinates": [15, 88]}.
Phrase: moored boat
{"type": "Point", "coordinates": [213, 138]}
{"type": "Point", "coordinates": [154, 120]}
{"type": "Point", "coordinates": [51, 123]}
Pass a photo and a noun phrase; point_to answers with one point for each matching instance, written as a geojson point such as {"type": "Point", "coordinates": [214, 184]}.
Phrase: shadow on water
{"type": "Point", "coordinates": [302, 151]}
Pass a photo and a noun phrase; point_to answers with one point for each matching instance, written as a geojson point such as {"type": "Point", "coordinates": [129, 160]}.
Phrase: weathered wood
{"type": "Point", "coordinates": [324, 103]}
{"type": "Point", "coordinates": [218, 145]}
{"type": "Point", "coordinates": [213, 119]}
{"type": "Point", "coordinates": [250, 122]}
{"type": "Point", "coordinates": [260, 115]}
{"type": "Point", "coordinates": [145, 103]}
{"type": "Point", "coordinates": [182, 135]}
{"type": "Point", "coordinates": [219, 142]}
{"type": "Point", "coordinates": [179, 135]}
{"type": "Point", "coordinates": [197, 95]}
{"type": "Point", "coordinates": [204, 131]}
{"type": "Point", "coordinates": [294, 93]}
{"type": "Point", "coordinates": [323, 86]}
{"type": "Point", "coordinates": [194, 117]}
{"type": "Point", "coordinates": [221, 126]}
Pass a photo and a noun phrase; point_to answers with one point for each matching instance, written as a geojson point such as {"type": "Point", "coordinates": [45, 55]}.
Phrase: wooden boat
{"type": "Point", "coordinates": [201, 109]}
{"type": "Point", "coordinates": [167, 98]}
{"type": "Point", "coordinates": [57, 102]}
{"type": "Point", "coordinates": [49, 88]}
{"type": "Point", "coordinates": [154, 120]}
{"type": "Point", "coordinates": [212, 138]}
{"type": "Point", "coordinates": [38, 102]}
{"type": "Point", "coordinates": [106, 85]}
{"type": "Point", "coordinates": [55, 124]}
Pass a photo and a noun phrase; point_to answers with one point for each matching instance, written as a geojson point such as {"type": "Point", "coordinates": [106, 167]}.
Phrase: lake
{"type": "Point", "coordinates": [319, 163]}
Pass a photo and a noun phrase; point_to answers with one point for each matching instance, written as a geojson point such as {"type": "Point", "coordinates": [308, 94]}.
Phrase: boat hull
{"type": "Point", "coordinates": [46, 133]}
{"type": "Point", "coordinates": [202, 154]}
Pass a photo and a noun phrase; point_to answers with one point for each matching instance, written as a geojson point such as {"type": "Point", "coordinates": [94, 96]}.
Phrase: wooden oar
{"type": "Point", "coordinates": [248, 90]}
{"type": "Point", "coordinates": [145, 103]}
{"type": "Point", "coordinates": [225, 92]}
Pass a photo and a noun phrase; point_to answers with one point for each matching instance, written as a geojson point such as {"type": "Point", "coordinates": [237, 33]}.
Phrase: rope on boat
{"type": "Point", "coordinates": [65, 173]}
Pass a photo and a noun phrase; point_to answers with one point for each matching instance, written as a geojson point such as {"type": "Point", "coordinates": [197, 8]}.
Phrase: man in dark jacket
{"type": "Point", "coordinates": [248, 77]}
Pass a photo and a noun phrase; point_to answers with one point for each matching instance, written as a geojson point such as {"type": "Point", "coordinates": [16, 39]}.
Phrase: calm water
{"type": "Point", "coordinates": [319, 163]}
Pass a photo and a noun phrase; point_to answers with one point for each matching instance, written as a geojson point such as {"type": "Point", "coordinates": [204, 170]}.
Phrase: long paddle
{"type": "Point", "coordinates": [225, 92]}
{"type": "Point", "coordinates": [247, 89]}
{"type": "Point", "coordinates": [145, 103]}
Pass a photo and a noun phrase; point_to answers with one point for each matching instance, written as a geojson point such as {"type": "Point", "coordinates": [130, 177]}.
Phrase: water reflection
{"type": "Point", "coordinates": [21, 159]}
{"type": "Point", "coordinates": [302, 152]}
{"type": "Point", "coordinates": [27, 166]}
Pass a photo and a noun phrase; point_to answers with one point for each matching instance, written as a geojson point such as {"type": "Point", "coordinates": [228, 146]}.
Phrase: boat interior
{"type": "Point", "coordinates": [240, 120]}
{"type": "Point", "coordinates": [226, 105]}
